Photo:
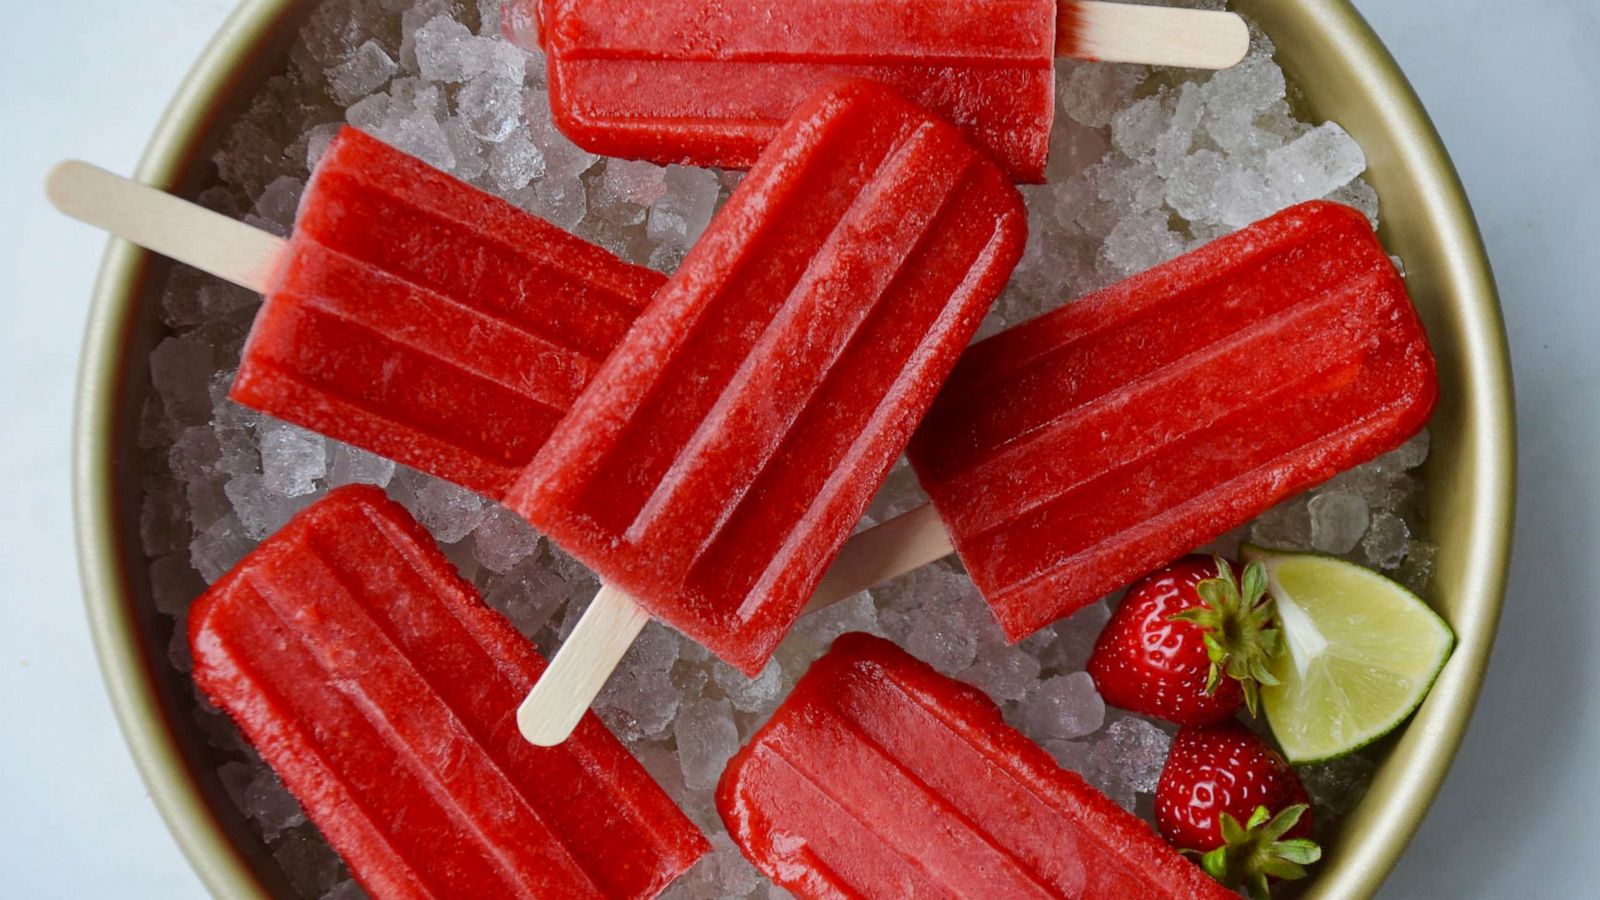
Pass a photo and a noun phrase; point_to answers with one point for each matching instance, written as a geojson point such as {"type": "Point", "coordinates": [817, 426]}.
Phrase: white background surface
{"type": "Point", "coordinates": [1513, 88]}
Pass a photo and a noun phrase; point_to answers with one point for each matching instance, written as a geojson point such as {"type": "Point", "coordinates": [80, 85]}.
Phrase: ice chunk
{"type": "Point", "coordinates": [1173, 145]}
{"type": "Point", "coordinates": [275, 209]}
{"type": "Point", "coordinates": [307, 861]}
{"type": "Point", "coordinates": [1135, 129]}
{"type": "Point", "coordinates": [164, 521]}
{"type": "Point", "coordinates": [364, 72]}
{"type": "Point", "coordinates": [1062, 707]}
{"type": "Point", "coordinates": [655, 650]}
{"type": "Point", "coordinates": [1416, 572]}
{"type": "Point", "coordinates": [272, 806]}
{"type": "Point", "coordinates": [470, 160]}
{"type": "Point", "coordinates": [1141, 241]}
{"type": "Point", "coordinates": [1095, 91]}
{"type": "Point", "coordinates": [503, 539]}
{"type": "Point", "coordinates": [1286, 526]}
{"type": "Point", "coordinates": [448, 51]}
{"type": "Point", "coordinates": [181, 367]}
{"type": "Point", "coordinates": [318, 141]}
{"type": "Point", "coordinates": [684, 209]}
{"type": "Point", "coordinates": [352, 465]}
{"type": "Point", "coordinates": [1362, 196]}
{"type": "Point", "coordinates": [416, 132]}
{"type": "Point", "coordinates": [950, 618]}
{"type": "Point", "coordinates": [292, 459]}
{"type": "Point", "coordinates": [450, 512]}
{"type": "Point", "coordinates": [560, 201]}
{"type": "Point", "coordinates": [174, 583]}
{"type": "Point", "coordinates": [624, 190]}
{"type": "Point", "coordinates": [639, 703]}
{"type": "Point", "coordinates": [1070, 641]}
{"type": "Point", "coordinates": [1335, 787]}
{"type": "Point", "coordinates": [1407, 456]}
{"type": "Point", "coordinates": [1315, 165]}
{"type": "Point", "coordinates": [1134, 751]}
{"type": "Point", "coordinates": [530, 595]}
{"type": "Point", "coordinates": [824, 626]}
{"type": "Point", "coordinates": [219, 547]}
{"type": "Point", "coordinates": [1386, 542]}
{"type": "Point", "coordinates": [1338, 520]}
{"type": "Point", "coordinates": [492, 103]}
{"type": "Point", "coordinates": [722, 873]}
{"type": "Point", "coordinates": [563, 159]}
{"type": "Point", "coordinates": [514, 162]}
{"type": "Point", "coordinates": [749, 694]}
{"type": "Point", "coordinates": [1004, 673]}
{"type": "Point", "coordinates": [707, 739]}
{"type": "Point", "coordinates": [261, 511]}
{"type": "Point", "coordinates": [1236, 99]}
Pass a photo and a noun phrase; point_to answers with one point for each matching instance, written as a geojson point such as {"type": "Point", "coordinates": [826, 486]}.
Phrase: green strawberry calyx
{"type": "Point", "coordinates": [1252, 854]}
{"type": "Point", "coordinates": [1238, 620]}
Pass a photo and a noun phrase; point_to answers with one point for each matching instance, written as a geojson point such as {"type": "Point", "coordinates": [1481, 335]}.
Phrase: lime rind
{"type": "Point", "coordinates": [1362, 654]}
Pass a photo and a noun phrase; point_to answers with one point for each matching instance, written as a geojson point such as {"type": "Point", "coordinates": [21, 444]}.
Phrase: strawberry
{"type": "Point", "coordinates": [1226, 796]}
{"type": "Point", "coordinates": [1188, 644]}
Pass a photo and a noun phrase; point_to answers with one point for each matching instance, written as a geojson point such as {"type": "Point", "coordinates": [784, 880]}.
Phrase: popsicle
{"type": "Point", "coordinates": [879, 777]}
{"type": "Point", "coordinates": [410, 314]}
{"type": "Point", "coordinates": [1070, 455]}
{"type": "Point", "coordinates": [379, 687]}
{"type": "Point", "coordinates": [724, 453]}
{"type": "Point", "coordinates": [709, 82]}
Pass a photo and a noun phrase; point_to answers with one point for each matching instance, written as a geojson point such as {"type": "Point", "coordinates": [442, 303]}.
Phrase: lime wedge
{"type": "Point", "coordinates": [1362, 653]}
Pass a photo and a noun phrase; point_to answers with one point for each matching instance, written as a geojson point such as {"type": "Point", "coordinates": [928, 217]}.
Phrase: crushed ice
{"type": "Point", "coordinates": [1144, 167]}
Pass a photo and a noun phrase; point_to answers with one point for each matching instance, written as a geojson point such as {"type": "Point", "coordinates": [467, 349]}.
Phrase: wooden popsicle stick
{"type": "Point", "coordinates": [1153, 35]}
{"type": "Point", "coordinates": [580, 668]}
{"type": "Point", "coordinates": [172, 227]}
{"type": "Point", "coordinates": [882, 552]}
{"type": "Point", "coordinates": [608, 628]}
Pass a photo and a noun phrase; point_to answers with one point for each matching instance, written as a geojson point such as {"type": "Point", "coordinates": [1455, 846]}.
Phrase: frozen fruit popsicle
{"type": "Point", "coordinates": [1070, 455]}
{"type": "Point", "coordinates": [410, 314]}
{"type": "Point", "coordinates": [379, 687]}
{"type": "Point", "coordinates": [879, 777]}
{"type": "Point", "coordinates": [420, 318]}
{"type": "Point", "coordinates": [710, 82]}
{"type": "Point", "coordinates": [723, 454]}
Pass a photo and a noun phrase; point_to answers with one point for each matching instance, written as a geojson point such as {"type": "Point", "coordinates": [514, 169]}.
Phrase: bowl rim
{"type": "Point", "coordinates": [132, 687]}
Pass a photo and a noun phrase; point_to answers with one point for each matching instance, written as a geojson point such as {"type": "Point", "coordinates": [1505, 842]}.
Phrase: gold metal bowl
{"type": "Point", "coordinates": [1345, 74]}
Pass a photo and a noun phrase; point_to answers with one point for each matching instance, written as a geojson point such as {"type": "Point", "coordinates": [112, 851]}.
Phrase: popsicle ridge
{"type": "Point", "coordinates": [1266, 362]}
{"type": "Point", "coordinates": [722, 454]}
{"type": "Point", "coordinates": [430, 322]}
{"type": "Point", "coordinates": [888, 220]}
{"type": "Point", "coordinates": [407, 726]}
{"type": "Point", "coordinates": [1159, 413]}
{"type": "Point", "coordinates": [423, 323]}
{"type": "Point", "coordinates": [880, 777]}
{"type": "Point", "coordinates": [318, 359]}
{"type": "Point", "coordinates": [531, 275]}
{"type": "Point", "coordinates": [380, 690]}
{"type": "Point", "coordinates": [987, 66]}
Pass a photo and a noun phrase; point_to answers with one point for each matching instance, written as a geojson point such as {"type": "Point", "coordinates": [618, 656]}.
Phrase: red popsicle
{"type": "Point", "coordinates": [381, 689]}
{"type": "Point", "coordinates": [710, 82]}
{"type": "Point", "coordinates": [725, 451]}
{"type": "Point", "coordinates": [879, 777]}
{"type": "Point", "coordinates": [1073, 454]}
{"type": "Point", "coordinates": [422, 319]}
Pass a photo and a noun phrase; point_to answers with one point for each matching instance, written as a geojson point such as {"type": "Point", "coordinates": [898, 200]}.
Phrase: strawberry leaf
{"type": "Point", "coordinates": [1235, 619]}
{"type": "Point", "coordinates": [1252, 853]}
